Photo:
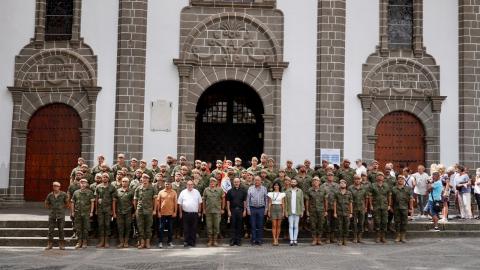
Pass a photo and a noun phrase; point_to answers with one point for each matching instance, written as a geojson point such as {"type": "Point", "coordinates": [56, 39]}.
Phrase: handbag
{"type": "Point", "coordinates": [436, 205]}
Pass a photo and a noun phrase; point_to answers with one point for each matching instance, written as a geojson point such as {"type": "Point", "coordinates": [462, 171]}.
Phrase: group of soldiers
{"type": "Point", "coordinates": [337, 200]}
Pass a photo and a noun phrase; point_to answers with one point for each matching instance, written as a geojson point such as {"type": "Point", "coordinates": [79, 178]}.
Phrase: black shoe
{"type": "Point", "coordinates": [291, 244]}
{"type": "Point", "coordinates": [295, 243]}
{"type": "Point", "coordinates": [232, 244]}
{"type": "Point", "coordinates": [239, 244]}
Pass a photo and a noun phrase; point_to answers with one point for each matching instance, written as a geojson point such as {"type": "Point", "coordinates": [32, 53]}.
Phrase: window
{"type": "Point", "coordinates": [58, 20]}
{"type": "Point", "coordinates": [400, 24]}
{"type": "Point", "coordinates": [216, 113]}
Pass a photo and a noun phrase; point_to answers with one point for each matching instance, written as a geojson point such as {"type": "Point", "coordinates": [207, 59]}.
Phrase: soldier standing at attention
{"type": "Point", "coordinates": [124, 206]}
{"type": "Point", "coordinates": [105, 198]}
{"type": "Point", "coordinates": [343, 209]}
{"type": "Point", "coordinates": [80, 162]}
{"type": "Point", "coordinates": [83, 202]}
{"type": "Point", "coordinates": [331, 188]}
{"type": "Point", "coordinates": [56, 201]}
{"type": "Point", "coordinates": [360, 202]}
{"type": "Point", "coordinates": [74, 186]}
{"type": "Point", "coordinates": [402, 203]}
{"type": "Point", "coordinates": [213, 207]}
{"type": "Point", "coordinates": [119, 165]}
{"type": "Point", "coordinates": [379, 205]}
{"type": "Point", "coordinates": [347, 173]}
{"type": "Point", "coordinates": [372, 174]}
{"type": "Point", "coordinates": [144, 202]}
{"type": "Point", "coordinates": [317, 206]}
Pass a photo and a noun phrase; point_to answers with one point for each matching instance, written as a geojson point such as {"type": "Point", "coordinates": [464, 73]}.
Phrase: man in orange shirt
{"type": "Point", "coordinates": [166, 208]}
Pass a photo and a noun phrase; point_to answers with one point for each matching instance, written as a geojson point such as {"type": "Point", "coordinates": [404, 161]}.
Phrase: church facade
{"type": "Point", "coordinates": [392, 80]}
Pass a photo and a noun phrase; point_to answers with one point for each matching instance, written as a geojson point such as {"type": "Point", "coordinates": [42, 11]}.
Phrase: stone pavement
{"type": "Point", "coordinates": [458, 253]}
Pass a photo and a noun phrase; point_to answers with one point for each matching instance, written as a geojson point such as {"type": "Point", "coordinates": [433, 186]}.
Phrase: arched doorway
{"type": "Point", "coordinates": [401, 140]}
{"type": "Point", "coordinates": [229, 123]}
{"type": "Point", "coordinates": [53, 146]}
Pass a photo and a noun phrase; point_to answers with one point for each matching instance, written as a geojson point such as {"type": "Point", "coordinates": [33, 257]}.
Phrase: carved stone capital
{"type": "Point", "coordinates": [92, 93]}
{"type": "Point", "coordinates": [366, 101]}
{"type": "Point", "coordinates": [185, 67]}
{"type": "Point", "coordinates": [276, 69]}
{"type": "Point", "coordinates": [20, 132]}
{"type": "Point", "coordinates": [437, 103]}
{"type": "Point", "coordinates": [17, 94]}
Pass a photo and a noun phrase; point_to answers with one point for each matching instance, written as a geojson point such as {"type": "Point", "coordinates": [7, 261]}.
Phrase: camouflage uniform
{"type": "Point", "coordinates": [124, 211]}
{"type": "Point", "coordinates": [343, 211]}
{"type": "Point", "coordinates": [331, 190]}
{"type": "Point", "coordinates": [82, 200]}
{"type": "Point", "coordinates": [212, 197]}
{"type": "Point", "coordinates": [359, 196]}
{"type": "Point", "coordinates": [56, 217]}
{"type": "Point", "coordinates": [380, 196]}
{"type": "Point", "coordinates": [316, 209]}
{"type": "Point", "coordinates": [401, 197]}
{"type": "Point", "coordinates": [105, 196]}
{"type": "Point", "coordinates": [145, 202]}
{"type": "Point", "coordinates": [347, 175]}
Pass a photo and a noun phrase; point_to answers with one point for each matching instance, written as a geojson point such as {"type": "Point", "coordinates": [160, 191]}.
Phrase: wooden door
{"type": "Point", "coordinates": [400, 140]}
{"type": "Point", "coordinates": [53, 146]}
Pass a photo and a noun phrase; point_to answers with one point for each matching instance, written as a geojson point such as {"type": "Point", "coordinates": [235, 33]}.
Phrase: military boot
{"type": "Point", "coordinates": [84, 244]}
{"type": "Point", "coordinates": [147, 243]}
{"type": "Point", "coordinates": [214, 241]}
{"type": "Point", "coordinates": [49, 245]}
{"type": "Point", "coordinates": [319, 240]}
{"type": "Point", "coordinates": [314, 241]}
{"type": "Point", "coordinates": [79, 244]}
{"type": "Point", "coordinates": [402, 238]}
{"type": "Point", "coordinates": [344, 241]}
{"type": "Point", "coordinates": [355, 238]}
{"type": "Point", "coordinates": [107, 242]}
{"type": "Point", "coordinates": [360, 240]}
{"type": "Point", "coordinates": [61, 245]}
{"type": "Point", "coordinates": [382, 237]}
{"type": "Point", "coordinates": [125, 242]}
{"type": "Point", "coordinates": [398, 238]}
{"type": "Point", "coordinates": [101, 242]}
{"type": "Point", "coordinates": [210, 240]}
{"type": "Point", "coordinates": [142, 244]}
{"type": "Point", "coordinates": [120, 242]}
{"type": "Point", "coordinates": [377, 238]}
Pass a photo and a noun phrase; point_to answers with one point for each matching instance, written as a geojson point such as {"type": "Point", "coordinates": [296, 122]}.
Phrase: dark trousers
{"type": "Point", "coordinates": [236, 225]}
{"type": "Point", "coordinates": [165, 223]}
{"type": "Point", "coordinates": [477, 198]}
{"type": "Point", "coordinates": [190, 223]}
{"type": "Point", "coordinates": [257, 216]}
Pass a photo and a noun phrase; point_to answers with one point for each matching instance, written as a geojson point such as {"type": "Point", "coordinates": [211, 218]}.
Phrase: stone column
{"type": "Point", "coordinates": [330, 76]}
{"type": "Point", "coordinates": [130, 96]}
{"type": "Point", "coordinates": [469, 86]}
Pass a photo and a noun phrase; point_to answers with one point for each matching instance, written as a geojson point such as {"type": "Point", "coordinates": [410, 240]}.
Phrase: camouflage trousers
{"type": "Point", "coordinates": [104, 219]}
{"type": "Point", "coordinates": [144, 223]}
{"type": "Point", "coordinates": [53, 223]}
{"type": "Point", "coordinates": [401, 220]}
{"type": "Point", "coordinates": [124, 224]}
{"type": "Point", "coordinates": [316, 222]}
{"type": "Point", "coordinates": [82, 224]}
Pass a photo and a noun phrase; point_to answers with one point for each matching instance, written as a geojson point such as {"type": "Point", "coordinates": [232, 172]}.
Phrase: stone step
{"type": "Point", "coordinates": [29, 223]}
{"type": "Point", "coordinates": [42, 241]}
{"type": "Point", "coordinates": [31, 232]}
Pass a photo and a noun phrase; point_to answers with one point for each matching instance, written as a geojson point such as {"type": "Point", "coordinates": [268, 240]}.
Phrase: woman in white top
{"type": "Point", "coordinates": [476, 190]}
{"type": "Point", "coordinates": [275, 210]}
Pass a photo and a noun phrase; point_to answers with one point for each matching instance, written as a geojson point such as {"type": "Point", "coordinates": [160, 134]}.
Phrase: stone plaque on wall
{"type": "Point", "coordinates": [161, 115]}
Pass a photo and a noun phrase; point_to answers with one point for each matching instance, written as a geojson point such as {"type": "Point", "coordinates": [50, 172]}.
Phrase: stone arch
{"type": "Point", "coordinates": [22, 74]}
{"type": "Point", "coordinates": [369, 80]}
{"type": "Point", "coordinates": [252, 78]}
{"type": "Point", "coordinates": [36, 102]}
{"type": "Point", "coordinates": [225, 16]}
{"type": "Point", "coordinates": [426, 120]}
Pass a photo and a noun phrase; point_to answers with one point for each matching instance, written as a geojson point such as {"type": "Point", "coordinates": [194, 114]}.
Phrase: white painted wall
{"type": "Point", "coordinates": [299, 80]}
{"type": "Point", "coordinates": [99, 30]}
{"type": "Point", "coordinates": [163, 38]}
{"type": "Point", "coordinates": [362, 35]}
{"type": "Point", "coordinates": [440, 21]}
{"type": "Point", "coordinates": [17, 22]}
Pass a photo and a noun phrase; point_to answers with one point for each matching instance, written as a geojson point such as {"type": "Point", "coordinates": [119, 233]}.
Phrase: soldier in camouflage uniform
{"type": "Point", "coordinates": [124, 212]}
{"type": "Point", "coordinates": [346, 173]}
{"type": "Point", "coordinates": [93, 187]}
{"type": "Point", "coordinates": [380, 193]}
{"type": "Point", "coordinates": [105, 198]}
{"type": "Point", "coordinates": [322, 171]}
{"type": "Point", "coordinates": [372, 174]}
{"type": "Point", "coordinates": [145, 170]}
{"type": "Point", "coordinates": [98, 168]}
{"type": "Point", "coordinates": [133, 167]}
{"type": "Point", "coordinates": [265, 181]}
{"type": "Point", "coordinates": [308, 169]}
{"type": "Point", "coordinates": [56, 202]}
{"type": "Point", "coordinates": [255, 168]}
{"type": "Point", "coordinates": [289, 170]}
{"type": "Point", "coordinates": [80, 162]}
{"type": "Point", "coordinates": [82, 205]}
{"type": "Point", "coordinates": [402, 203]}
{"type": "Point", "coordinates": [155, 169]}
{"type": "Point", "coordinates": [331, 188]}
{"type": "Point", "coordinates": [238, 168]}
{"type": "Point", "coordinates": [213, 207]}
{"type": "Point", "coordinates": [121, 163]}
{"type": "Point", "coordinates": [136, 180]}
{"type": "Point", "coordinates": [144, 202]}
{"type": "Point", "coordinates": [391, 181]}
{"type": "Point", "coordinates": [74, 186]}
{"type": "Point", "coordinates": [329, 168]}
{"type": "Point", "coordinates": [360, 202]}
{"type": "Point", "coordinates": [303, 179]}
{"type": "Point", "coordinates": [343, 210]}
{"type": "Point", "coordinates": [316, 208]}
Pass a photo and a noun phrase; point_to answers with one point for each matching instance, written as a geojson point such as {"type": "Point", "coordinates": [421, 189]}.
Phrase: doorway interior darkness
{"type": "Point", "coordinates": [229, 123]}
